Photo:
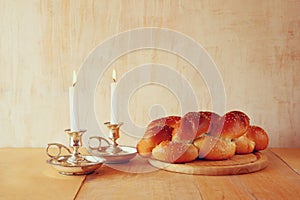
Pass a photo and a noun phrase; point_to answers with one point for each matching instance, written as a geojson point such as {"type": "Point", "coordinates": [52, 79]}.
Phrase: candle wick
{"type": "Point", "coordinates": [74, 84]}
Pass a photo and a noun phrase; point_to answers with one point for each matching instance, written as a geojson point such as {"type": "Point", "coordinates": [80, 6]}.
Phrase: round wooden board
{"type": "Point", "coordinates": [239, 164]}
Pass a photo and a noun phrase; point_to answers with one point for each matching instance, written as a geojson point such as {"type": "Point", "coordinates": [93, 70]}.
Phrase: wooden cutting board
{"type": "Point", "coordinates": [239, 164]}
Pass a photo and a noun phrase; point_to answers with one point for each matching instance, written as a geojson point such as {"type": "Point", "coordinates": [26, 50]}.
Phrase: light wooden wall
{"type": "Point", "coordinates": [255, 45]}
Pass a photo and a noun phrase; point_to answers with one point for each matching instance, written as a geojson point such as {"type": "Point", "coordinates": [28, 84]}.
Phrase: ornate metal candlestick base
{"type": "Point", "coordinates": [75, 163]}
{"type": "Point", "coordinates": [112, 151]}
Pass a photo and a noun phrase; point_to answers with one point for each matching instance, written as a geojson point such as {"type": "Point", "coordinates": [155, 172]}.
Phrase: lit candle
{"type": "Point", "coordinates": [113, 102]}
{"type": "Point", "coordinates": [73, 106]}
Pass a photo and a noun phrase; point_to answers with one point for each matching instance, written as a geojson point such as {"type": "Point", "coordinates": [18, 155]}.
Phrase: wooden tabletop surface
{"type": "Point", "coordinates": [25, 175]}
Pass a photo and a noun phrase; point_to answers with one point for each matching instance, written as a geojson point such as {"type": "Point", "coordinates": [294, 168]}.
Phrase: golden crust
{"type": "Point", "coordinates": [232, 125]}
{"type": "Point", "coordinates": [154, 136]}
{"type": "Point", "coordinates": [194, 125]}
{"type": "Point", "coordinates": [213, 148]}
{"type": "Point", "coordinates": [175, 152]}
{"type": "Point", "coordinates": [157, 131]}
{"type": "Point", "coordinates": [259, 136]}
{"type": "Point", "coordinates": [244, 145]}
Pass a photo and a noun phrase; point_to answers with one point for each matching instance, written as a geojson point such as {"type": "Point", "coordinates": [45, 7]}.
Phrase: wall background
{"type": "Point", "coordinates": [255, 45]}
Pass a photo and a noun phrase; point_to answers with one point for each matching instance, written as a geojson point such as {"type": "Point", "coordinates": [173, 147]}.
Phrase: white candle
{"type": "Point", "coordinates": [74, 120]}
{"type": "Point", "coordinates": [113, 102]}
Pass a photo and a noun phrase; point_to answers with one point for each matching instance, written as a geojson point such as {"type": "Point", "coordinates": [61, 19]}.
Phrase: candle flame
{"type": "Point", "coordinates": [114, 75]}
{"type": "Point", "coordinates": [74, 78]}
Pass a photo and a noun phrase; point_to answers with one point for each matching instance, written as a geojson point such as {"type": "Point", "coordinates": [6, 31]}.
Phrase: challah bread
{"type": "Point", "coordinates": [157, 131]}
{"type": "Point", "coordinates": [201, 134]}
{"type": "Point", "coordinates": [194, 125]}
{"type": "Point", "coordinates": [175, 152]}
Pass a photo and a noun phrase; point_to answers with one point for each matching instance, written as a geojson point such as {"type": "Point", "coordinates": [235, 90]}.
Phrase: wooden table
{"type": "Point", "coordinates": [25, 175]}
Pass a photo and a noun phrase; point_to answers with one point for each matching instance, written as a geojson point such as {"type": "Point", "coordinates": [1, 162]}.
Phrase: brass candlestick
{"type": "Point", "coordinates": [74, 163]}
{"type": "Point", "coordinates": [114, 135]}
{"type": "Point", "coordinates": [75, 142]}
{"type": "Point", "coordinates": [112, 152]}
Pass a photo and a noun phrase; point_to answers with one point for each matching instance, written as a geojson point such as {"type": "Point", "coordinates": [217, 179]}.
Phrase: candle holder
{"type": "Point", "coordinates": [112, 152]}
{"type": "Point", "coordinates": [113, 136]}
{"type": "Point", "coordinates": [74, 163]}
